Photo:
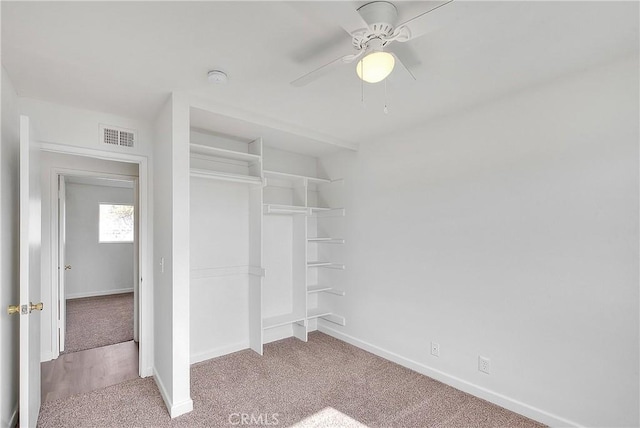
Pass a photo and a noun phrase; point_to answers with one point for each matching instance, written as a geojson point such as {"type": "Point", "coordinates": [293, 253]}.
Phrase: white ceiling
{"type": "Point", "coordinates": [125, 57]}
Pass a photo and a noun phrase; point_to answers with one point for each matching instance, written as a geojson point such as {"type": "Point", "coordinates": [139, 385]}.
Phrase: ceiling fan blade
{"type": "Point", "coordinates": [405, 53]}
{"type": "Point", "coordinates": [343, 13]}
{"type": "Point", "coordinates": [330, 46]}
{"type": "Point", "coordinates": [437, 17]}
{"type": "Point", "coordinates": [321, 71]}
{"type": "Point", "coordinates": [404, 66]}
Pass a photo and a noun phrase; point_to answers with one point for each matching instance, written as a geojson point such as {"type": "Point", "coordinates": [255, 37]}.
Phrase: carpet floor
{"type": "Point", "coordinates": [291, 382]}
{"type": "Point", "coordinates": [93, 322]}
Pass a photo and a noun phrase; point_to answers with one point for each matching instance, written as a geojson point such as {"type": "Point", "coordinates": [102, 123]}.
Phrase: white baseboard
{"type": "Point", "coordinates": [99, 293]}
{"type": "Point", "coordinates": [163, 391]}
{"type": "Point", "coordinates": [219, 351]}
{"type": "Point", "coordinates": [181, 408]}
{"type": "Point", "coordinates": [174, 410]}
{"type": "Point", "coordinates": [13, 420]}
{"type": "Point", "coordinates": [146, 372]}
{"type": "Point", "coordinates": [461, 384]}
{"type": "Point", "coordinates": [46, 356]}
{"type": "Point", "coordinates": [277, 333]}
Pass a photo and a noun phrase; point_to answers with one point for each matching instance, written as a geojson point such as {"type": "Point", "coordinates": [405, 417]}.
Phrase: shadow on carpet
{"type": "Point", "coordinates": [93, 322]}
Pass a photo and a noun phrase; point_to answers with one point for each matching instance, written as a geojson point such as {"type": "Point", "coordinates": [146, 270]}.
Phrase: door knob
{"type": "Point", "coordinates": [67, 267]}
{"type": "Point", "coordinates": [36, 307]}
{"type": "Point", "coordinates": [13, 309]}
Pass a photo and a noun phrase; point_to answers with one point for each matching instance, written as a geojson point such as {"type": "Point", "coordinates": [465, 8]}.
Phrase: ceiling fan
{"type": "Point", "coordinates": [373, 28]}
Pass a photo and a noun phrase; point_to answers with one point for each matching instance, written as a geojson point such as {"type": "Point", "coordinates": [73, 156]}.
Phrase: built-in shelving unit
{"type": "Point", "coordinates": [222, 158]}
{"type": "Point", "coordinates": [290, 264]}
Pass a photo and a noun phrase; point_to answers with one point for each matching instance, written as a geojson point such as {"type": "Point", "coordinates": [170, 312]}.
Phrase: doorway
{"type": "Point", "coordinates": [80, 167]}
{"type": "Point", "coordinates": [97, 288]}
{"type": "Point", "coordinates": [97, 227]}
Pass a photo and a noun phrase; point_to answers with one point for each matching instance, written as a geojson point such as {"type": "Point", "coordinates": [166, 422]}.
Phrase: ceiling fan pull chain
{"type": "Point", "coordinates": [362, 85]}
{"type": "Point", "coordinates": [386, 110]}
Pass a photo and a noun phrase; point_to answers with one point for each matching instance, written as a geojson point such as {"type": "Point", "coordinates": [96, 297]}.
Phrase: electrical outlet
{"type": "Point", "coordinates": [484, 364]}
{"type": "Point", "coordinates": [435, 349]}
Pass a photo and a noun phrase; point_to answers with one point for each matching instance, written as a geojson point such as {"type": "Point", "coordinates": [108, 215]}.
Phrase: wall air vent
{"type": "Point", "coordinates": [114, 136]}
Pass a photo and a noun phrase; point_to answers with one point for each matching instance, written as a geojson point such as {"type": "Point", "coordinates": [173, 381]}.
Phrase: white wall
{"type": "Point", "coordinates": [9, 263]}
{"type": "Point", "coordinates": [508, 231]}
{"type": "Point", "coordinates": [171, 246]}
{"type": "Point", "coordinates": [55, 123]}
{"type": "Point", "coordinates": [162, 250]}
{"type": "Point", "coordinates": [51, 162]}
{"type": "Point", "coordinates": [97, 268]}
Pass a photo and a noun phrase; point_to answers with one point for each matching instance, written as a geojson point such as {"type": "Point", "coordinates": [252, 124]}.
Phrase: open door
{"type": "Point", "coordinates": [29, 278]}
{"type": "Point", "coordinates": [62, 266]}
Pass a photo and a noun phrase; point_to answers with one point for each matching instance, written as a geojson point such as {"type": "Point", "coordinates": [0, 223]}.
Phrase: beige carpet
{"type": "Point", "coordinates": [98, 321]}
{"type": "Point", "coordinates": [290, 383]}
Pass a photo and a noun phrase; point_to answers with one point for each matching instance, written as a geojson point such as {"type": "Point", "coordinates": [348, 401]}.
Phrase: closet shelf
{"type": "Point", "coordinates": [322, 288]}
{"type": "Point", "coordinates": [326, 315]}
{"type": "Point", "coordinates": [284, 209]}
{"type": "Point", "coordinates": [281, 320]}
{"type": "Point", "coordinates": [327, 212]}
{"type": "Point", "coordinates": [317, 313]}
{"type": "Point", "coordinates": [325, 265]}
{"type": "Point", "coordinates": [286, 175]}
{"type": "Point", "coordinates": [225, 176]}
{"type": "Point", "coordinates": [223, 153]}
{"type": "Point", "coordinates": [326, 240]}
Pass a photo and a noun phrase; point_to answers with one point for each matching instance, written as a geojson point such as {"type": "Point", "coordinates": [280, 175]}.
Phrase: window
{"type": "Point", "coordinates": [116, 223]}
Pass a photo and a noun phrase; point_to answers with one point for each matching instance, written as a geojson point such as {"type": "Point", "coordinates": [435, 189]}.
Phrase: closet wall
{"type": "Point", "coordinates": [219, 249]}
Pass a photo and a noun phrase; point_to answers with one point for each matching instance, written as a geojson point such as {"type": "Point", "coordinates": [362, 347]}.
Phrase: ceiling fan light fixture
{"type": "Point", "coordinates": [375, 67]}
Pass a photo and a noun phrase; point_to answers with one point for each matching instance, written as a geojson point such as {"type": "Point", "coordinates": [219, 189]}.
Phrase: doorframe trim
{"type": "Point", "coordinates": [145, 280]}
{"type": "Point", "coordinates": [56, 173]}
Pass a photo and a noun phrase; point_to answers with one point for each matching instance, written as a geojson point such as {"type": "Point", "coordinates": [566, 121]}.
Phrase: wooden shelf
{"type": "Point", "coordinates": [281, 320]}
{"type": "Point", "coordinates": [323, 240]}
{"type": "Point", "coordinates": [287, 176]}
{"type": "Point", "coordinates": [284, 209]}
{"type": "Point", "coordinates": [325, 265]}
{"type": "Point", "coordinates": [223, 153]}
{"type": "Point", "coordinates": [224, 176]}
{"type": "Point", "coordinates": [322, 288]}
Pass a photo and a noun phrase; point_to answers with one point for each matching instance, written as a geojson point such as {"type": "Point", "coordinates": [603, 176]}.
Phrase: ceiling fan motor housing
{"type": "Point", "coordinates": [381, 17]}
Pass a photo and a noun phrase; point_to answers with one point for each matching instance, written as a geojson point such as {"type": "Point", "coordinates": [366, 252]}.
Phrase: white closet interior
{"type": "Point", "coordinates": [265, 242]}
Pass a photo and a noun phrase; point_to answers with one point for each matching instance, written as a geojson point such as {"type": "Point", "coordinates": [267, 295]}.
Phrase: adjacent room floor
{"type": "Point", "coordinates": [292, 381]}
{"type": "Point", "coordinates": [93, 322]}
{"type": "Point", "coordinates": [99, 348]}
{"type": "Point", "coordinates": [88, 370]}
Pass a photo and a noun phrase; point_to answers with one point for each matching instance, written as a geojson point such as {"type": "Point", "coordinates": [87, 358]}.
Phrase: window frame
{"type": "Point", "coordinates": [133, 239]}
